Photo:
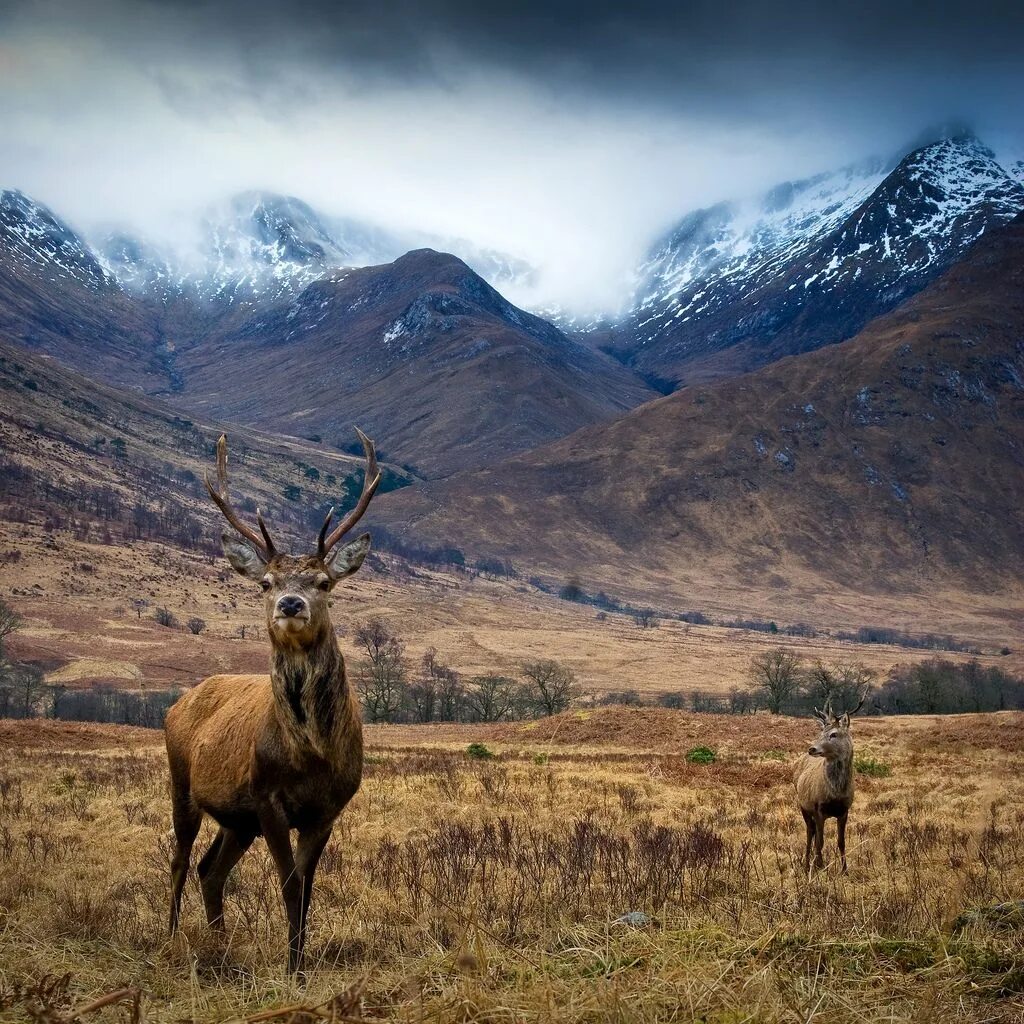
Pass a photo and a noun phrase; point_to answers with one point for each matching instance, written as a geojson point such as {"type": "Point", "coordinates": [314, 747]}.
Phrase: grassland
{"type": "Point", "coordinates": [492, 889]}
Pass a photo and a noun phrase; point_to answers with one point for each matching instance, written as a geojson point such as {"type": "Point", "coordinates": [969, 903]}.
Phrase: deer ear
{"type": "Point", "coordinates": [846, 720]}
{"type": "Point", "coordinates": [346, 560]}
{"type": "Point", "coordinates": [244, 559]}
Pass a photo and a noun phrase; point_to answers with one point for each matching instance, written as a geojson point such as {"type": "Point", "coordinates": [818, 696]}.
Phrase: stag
{"type": "Point", "coordinates": [824, 782]}
{"type": "Point", "coordinates": [263, 755]}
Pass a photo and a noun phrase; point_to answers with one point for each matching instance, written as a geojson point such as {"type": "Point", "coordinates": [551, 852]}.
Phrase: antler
{"type": "Point", "coordinates": [371, 481]}
{"type": "Point", "coordinates": [824, 716]}
{"type": "Point", "coordinates": [262, 544]}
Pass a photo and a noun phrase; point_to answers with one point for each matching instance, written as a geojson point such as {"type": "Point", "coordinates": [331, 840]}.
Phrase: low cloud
{"type": "Point", "coordinates": [568, 134]}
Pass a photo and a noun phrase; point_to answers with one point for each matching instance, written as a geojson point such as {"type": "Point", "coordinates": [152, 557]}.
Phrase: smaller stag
{"type": "Point", "coordinates": [824, 782]}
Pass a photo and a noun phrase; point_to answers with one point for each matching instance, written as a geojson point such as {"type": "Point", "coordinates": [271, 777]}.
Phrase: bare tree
{"type": "Point", "coordinates": [841, 684]}
{"type": "Point", "coordinates": [24, 687]}
{"type": "Point", "coordinates": [645, 618]}
{"type": "Point", "coordinates": [195, 625]}
{"type": "Point", "coordinates": [552, 686]}
{"type": "Point", "coordinates": [492, 698]}
{"type": "Point", "coordinates": [140, 604]}
{"type": "Point", "coordinates": [10, 620]}
{"type": "Point", "coordinates": [775, 675]}
{"type": "Point", "coordinates": [381, 680]}
{"type": "Point", "coordinates": [436, 694]}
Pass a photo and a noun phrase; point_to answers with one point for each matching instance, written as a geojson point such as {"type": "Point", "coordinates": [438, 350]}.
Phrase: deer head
{"type": "Point", "coordinates": [296, 587]}
{"type": "Point", "coordinates": [835, 742]}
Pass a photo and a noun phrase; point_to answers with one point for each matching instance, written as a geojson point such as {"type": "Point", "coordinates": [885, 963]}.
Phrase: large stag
{"type": "Point", "coordinates": [263, 755]}
{"type": "Point", "coordinates": [824, 782]}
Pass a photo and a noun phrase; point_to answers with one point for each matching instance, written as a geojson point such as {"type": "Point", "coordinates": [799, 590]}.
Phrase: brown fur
{"type": "Point", "coordinates": [824, 786]}
{"type": "Point", "coordinates": [263, 755]}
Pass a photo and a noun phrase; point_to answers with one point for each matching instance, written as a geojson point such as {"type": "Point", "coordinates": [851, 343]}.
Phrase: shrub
{"type": "Point", "coordinates": [479, 752]}
{"type": "Point", "coordinates": [196, 625]}
{"type": "Point", "coordinates": [701, 755]}
{"type": "Point", "coordinates": [867, 765]}
{"type": "Point", "coordinates": [165, 617]}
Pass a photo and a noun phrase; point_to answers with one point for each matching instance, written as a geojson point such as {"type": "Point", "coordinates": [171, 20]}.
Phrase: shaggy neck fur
{"type": "Point", "coordinates": [311, 693]}
{"type": "Point", "coordinates": [837, 774]}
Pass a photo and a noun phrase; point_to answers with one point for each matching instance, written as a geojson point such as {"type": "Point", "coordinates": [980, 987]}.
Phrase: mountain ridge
{"type": "Point", "coordinates": [727, 290]}
{"type": "Point", "coordinates": [893, 460]}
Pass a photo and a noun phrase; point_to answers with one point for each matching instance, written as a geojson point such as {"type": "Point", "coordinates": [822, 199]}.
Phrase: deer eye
{"type": "Point", "coordinates": [832, 735]}
{"type": "Point", "coordinates": [265, 584]}
{"type": "Point", "coordinates": [324, 584]}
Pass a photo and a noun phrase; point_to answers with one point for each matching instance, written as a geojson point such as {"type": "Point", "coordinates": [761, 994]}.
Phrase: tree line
{"type": "Point", "coordinates": [391, 689]}
{"type": "Point", "coordinates": [779, 681]}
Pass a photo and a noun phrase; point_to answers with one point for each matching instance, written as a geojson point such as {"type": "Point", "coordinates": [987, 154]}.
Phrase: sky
{"type": "Point", "coordinates": [569, 134]}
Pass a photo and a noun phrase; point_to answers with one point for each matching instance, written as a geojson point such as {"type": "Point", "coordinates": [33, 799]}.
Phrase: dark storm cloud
{"type": "Point", "coordinates": [569, 133]}
{"type": "Point", "coordinates": [672, 54]}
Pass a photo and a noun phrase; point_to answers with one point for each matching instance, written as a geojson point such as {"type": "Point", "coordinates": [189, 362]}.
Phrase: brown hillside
{"type": "Point", "coordinates": [86, 528]}
{"type": "Point", "coordinates": [891, 463]}
{"type": "Point", "coordinates": [423, 353]}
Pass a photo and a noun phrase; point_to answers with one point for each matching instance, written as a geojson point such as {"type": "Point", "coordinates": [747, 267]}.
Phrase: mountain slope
{"type": "Point", "coordinates": [423, 353]}
{"type": "Point", "coordinates": [130, 466]}
{"type": "Point", "coordinates": [56, 298]}
{"type": "Point", "coordinates": [894, 460]}
{"type": "Point", "coordinates": [735, 286]}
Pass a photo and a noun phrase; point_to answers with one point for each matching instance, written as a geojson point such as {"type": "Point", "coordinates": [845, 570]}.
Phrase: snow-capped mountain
{"type": "Point", "coordinates": [261, 246]}
{"type": "Point", "coordinates": [715, 254]}
{"type": "Point", "coordinates": [34, 240]}
{"type": "Point", "coordinates": [739, 284]}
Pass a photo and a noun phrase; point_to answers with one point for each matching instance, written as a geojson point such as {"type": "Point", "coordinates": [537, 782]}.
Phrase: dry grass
{"type": "Point", "coordinates": [457, 889]}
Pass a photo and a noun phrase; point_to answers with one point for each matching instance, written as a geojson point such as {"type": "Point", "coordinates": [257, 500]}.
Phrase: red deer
{"type": "Point", "coordinates": [263, 755]}
{"type": "Point", "coordinates": [824, 782]}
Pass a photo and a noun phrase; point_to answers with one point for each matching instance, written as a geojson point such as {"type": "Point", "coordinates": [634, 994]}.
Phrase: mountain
{"type": "Point", "coordinates": [57, 298]}
{"type": "Point", "coordinates": [87, 454]}
{"type": "Point", "coordinates": [421, 352]}
{"type": "Point", "coordinates": [893, 461]}
{"type": "Point", "coordinates": [262, 246]}
{"type": "Point", "coordinates": [735, 286]}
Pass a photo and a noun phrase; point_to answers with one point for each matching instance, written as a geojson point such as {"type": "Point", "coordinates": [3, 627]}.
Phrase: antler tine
{"type": "Point", "coordinates": [321, 548]}
{"type": "Point", "coordinates": [371, 481]}
{"type": "Point", "coordinates": [271, 550]}
{"type": "Point", "coordinates": [220, 497]}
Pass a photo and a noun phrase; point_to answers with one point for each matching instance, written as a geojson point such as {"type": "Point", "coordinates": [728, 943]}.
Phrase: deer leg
{"type": "Point", "coordinates": [841, 828]}
{"type": "Point", "coordinates": [819, 841]}
{"type": "Point", "coordinates": [275, 828]}
{"type": "Point", "coordinates": [224, 853]}
{"type": "Point", "coordinates": [809, 825]}
{"type": "Point", "coordinates": [308, 850]}
{"type": "Point", "coordinates": [187, 818]}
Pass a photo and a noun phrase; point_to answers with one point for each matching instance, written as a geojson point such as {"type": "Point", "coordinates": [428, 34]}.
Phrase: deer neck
{"type": "Point", "coordinates": [312, 699]}
{"type": "Point", "coordinates": [838, 772]}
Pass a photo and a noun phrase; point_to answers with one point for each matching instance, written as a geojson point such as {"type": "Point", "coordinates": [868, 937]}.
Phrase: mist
{"type": "Point", "coordinates": [569, 135]}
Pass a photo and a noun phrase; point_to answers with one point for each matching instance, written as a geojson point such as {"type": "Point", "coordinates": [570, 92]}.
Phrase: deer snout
{"type": "Point", "coordinates": [815, 752]}
{"type": "Point", "coordinates": [291, 606]}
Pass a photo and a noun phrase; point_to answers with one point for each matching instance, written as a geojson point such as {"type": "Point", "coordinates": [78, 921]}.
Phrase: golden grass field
{"type": "Point", "coordinates": [457, 889]}
{"type": "Point", "coordinates": [79, 622]}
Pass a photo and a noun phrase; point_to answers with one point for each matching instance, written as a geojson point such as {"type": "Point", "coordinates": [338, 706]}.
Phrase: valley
{"type": "Point", "coordinates": [845, 484]}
